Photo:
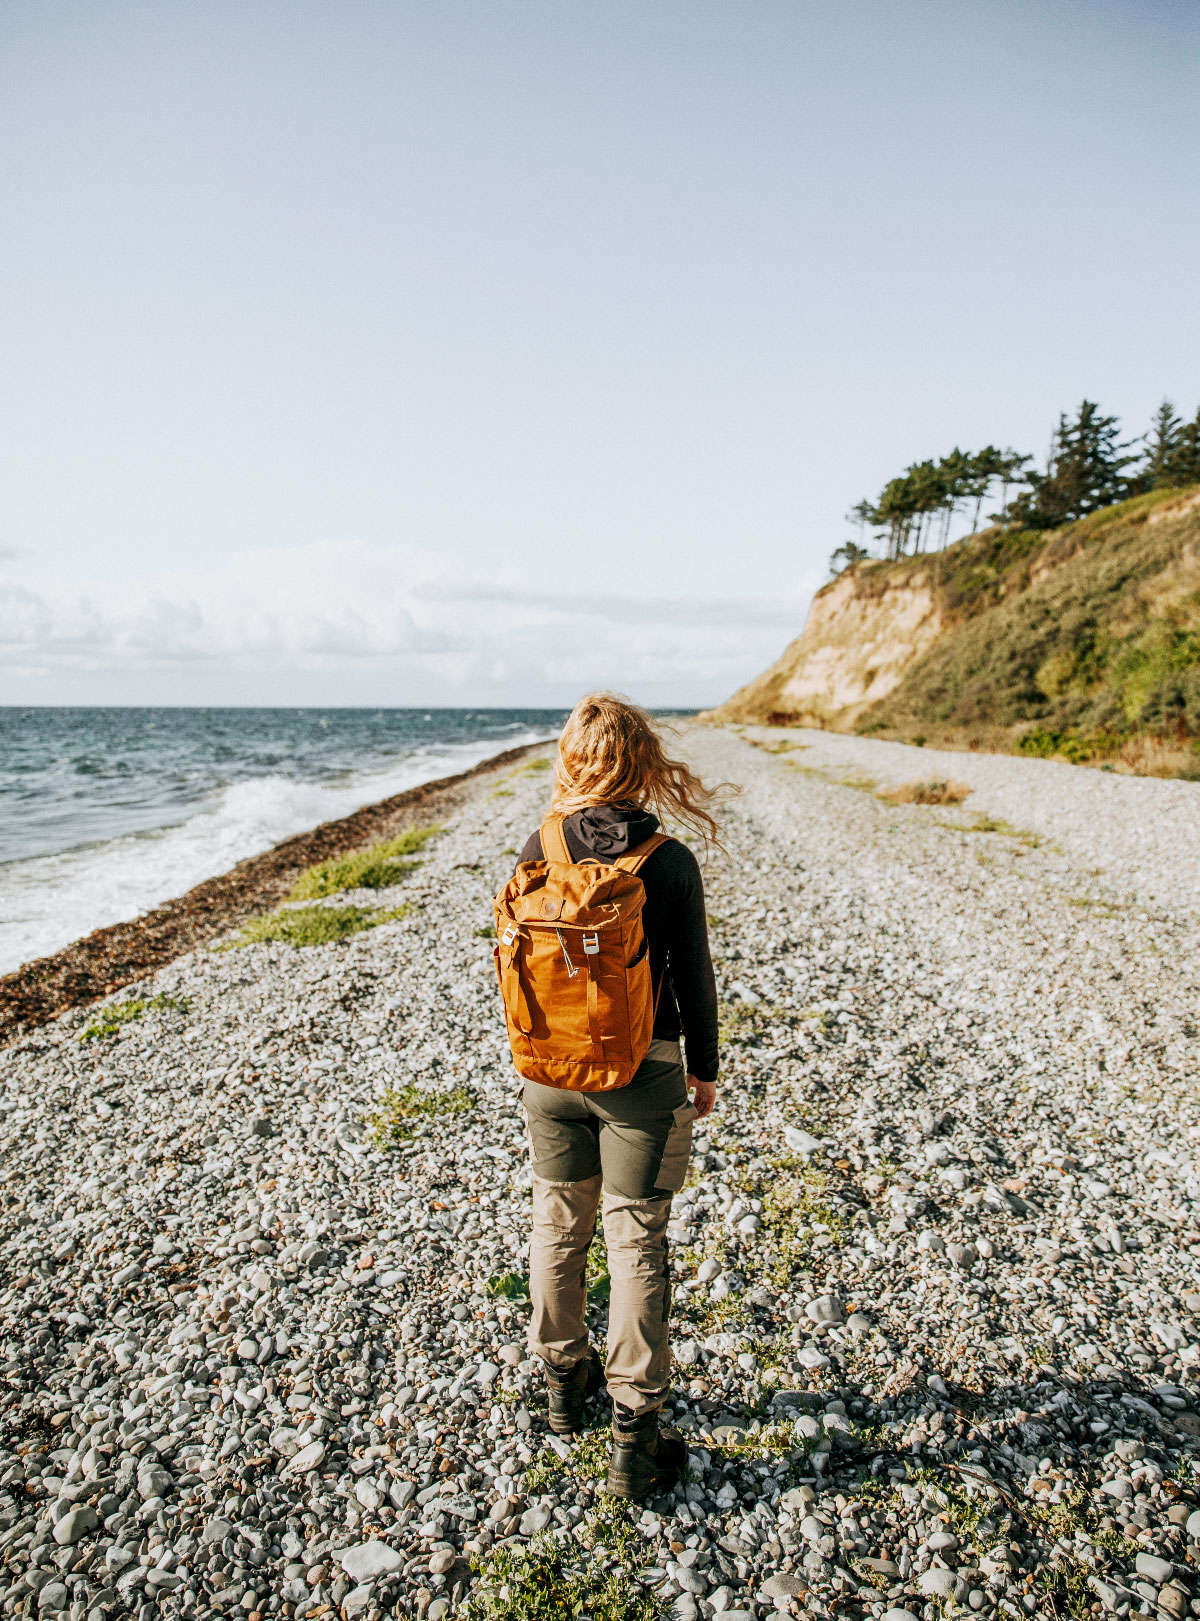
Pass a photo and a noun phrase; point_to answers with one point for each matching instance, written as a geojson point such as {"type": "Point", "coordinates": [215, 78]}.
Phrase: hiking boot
{"type": "Point", "coordinates": [569, 1393]}
{"type": "Point", "coordinates": [646, 1460]}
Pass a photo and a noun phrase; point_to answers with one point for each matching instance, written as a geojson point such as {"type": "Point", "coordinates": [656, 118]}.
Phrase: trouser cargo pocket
{"type": "Point", "coordinates": [672, 1172]}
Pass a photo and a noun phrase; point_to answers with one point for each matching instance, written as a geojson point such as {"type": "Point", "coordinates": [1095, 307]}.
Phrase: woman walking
{"type": "Point", "coordinates": [604, 964]}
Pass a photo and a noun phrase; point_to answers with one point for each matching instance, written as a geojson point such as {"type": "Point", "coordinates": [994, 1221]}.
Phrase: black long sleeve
{"type": "Point", "coordinates": [676, 926]}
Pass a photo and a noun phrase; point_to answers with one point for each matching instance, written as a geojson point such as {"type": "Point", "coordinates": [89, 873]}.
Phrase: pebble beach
{"type": "Point", "coordinates": [937, 1265]}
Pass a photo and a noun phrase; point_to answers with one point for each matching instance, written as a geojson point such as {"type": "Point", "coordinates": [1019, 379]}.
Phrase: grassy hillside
{"type": "Point", "coordinates": [1084, 641]}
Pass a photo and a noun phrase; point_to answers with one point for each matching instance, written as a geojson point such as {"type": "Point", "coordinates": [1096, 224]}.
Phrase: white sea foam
{"type": "Point", "coordinates": [49, 901]}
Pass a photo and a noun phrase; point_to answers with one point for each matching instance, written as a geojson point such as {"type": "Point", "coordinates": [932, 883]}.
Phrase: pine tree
{"type": "Point", "coordinates": [1085, 471]}
{"type": "Point", "coordinates": [1183, 465]}
{"type": "Point", "coordinates": [1157, 471]}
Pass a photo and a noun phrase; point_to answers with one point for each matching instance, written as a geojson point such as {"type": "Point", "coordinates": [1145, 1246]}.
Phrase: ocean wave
{"type": "Point", "coordinates": [46, 902]}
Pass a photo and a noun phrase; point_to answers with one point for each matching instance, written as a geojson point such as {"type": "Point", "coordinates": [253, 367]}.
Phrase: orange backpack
{"type": "Point", "coordinates": [573, 966]}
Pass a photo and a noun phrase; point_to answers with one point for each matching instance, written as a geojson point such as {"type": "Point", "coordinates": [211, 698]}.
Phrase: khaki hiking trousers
{"type": "Point", "coordinates": [629, 1147]}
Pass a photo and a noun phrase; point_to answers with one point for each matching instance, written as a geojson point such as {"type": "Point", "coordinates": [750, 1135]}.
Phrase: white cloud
{"type": "Point", "coordinates": [343, 610]}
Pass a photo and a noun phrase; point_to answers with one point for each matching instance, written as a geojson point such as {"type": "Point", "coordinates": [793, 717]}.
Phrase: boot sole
{"type": "Point", "coordinates": [562, 1427]}
{"type": "Point", "coordinates": [616, 1487]}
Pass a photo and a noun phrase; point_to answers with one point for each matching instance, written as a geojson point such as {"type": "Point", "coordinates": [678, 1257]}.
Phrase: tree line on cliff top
{"type": "Point", "coordinates": [1088, 467]}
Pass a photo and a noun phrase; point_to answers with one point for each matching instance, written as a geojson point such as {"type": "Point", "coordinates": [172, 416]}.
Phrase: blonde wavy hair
{"type": "Point", "coordinates": [610, 753]}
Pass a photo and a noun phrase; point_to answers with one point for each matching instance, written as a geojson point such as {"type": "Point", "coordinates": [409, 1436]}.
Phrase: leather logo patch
{"type": "Point", "coordinates": [550, 906]}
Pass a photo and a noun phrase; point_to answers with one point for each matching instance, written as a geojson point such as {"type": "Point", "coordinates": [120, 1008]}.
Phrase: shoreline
{"type": "Point", "coordinates": [269, 1241]}
{"type": "Point", "coordinates": [118, 954]}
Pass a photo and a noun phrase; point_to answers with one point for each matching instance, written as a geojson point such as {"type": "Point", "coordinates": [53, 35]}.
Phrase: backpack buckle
{"type": "Point", "coordinates": [591, 944]}
{"type": "Point", "coordinates": [509, 935]}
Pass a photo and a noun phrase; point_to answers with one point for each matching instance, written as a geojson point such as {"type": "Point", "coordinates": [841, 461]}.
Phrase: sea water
{"type": "Point", "coordinates": [104, 813]}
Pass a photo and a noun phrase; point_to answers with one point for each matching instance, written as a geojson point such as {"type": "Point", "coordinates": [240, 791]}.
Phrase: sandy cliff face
{"type": "Point", "coordinates": [863, 632]}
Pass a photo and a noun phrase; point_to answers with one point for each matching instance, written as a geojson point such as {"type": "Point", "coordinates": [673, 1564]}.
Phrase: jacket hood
{"type": "Point", "coordinates": [609, 831]}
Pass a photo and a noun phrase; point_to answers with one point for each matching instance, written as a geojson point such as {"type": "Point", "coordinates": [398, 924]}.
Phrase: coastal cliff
{"type": "Point", "coordinates": [1076, 640]}
{"type": "Point", "coordinates": [863, 632]}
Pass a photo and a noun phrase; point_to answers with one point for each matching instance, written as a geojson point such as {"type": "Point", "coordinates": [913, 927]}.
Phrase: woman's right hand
{"type": "Point", "coordinates": [705, 1096]}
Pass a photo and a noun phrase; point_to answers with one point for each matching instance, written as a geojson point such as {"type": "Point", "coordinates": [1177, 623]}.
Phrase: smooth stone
{"type": "Point", "coordinates": [153, 1482]}
{"type": "Point", "coordinates": [1109, 1596]}
{"type": "Point", "coordinates": [1153, 1568]}
{"type": "Point", "coordinates": [357, 1600]}
{"type": "Point", "coordinates": [895, 1614]}
{"type": "Point", "coordinates": [781, 1585]}
{"type": "Point", "coordinates": [460, 1507]}
{"type": "Point", "coordinates": [535, 1519]}
{"type": "Point", "coordinates": [938, 1583]}
{"type": "Point", "coordinates": [53, 1596]}
{"type": "Point", "coordinates": [77, 1522]}
{"type": "Point", "coordinates": [690, 1580]}
{"type": "Point", "coordinates": [1192, 1527]}
{"type": "Point", "coordinates": [442, 1560]}
{"type": "Point", "coordinates": [367, 1561]}
{"type": "Point", "coordinates": [217, 1530]}
{"type": "Point", "coordinates": [306, 1459]}
{"type": "Point", "coordinates": [801, 1141]}
{"type": "Point", "coordinates": [826, 1309]}
{"type": "Point", "coordinates": [726, 1435]}
{"type": "Point", "coordinates": [942, 1541]}
{"type": "Point", "coordinates": [810, 1357]}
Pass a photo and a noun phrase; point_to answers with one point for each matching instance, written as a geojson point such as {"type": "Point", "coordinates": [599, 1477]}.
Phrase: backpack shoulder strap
{"type": "Point", "coordinates": [554, 841]}
{"type": "Point", "coordinates": [633, 859]}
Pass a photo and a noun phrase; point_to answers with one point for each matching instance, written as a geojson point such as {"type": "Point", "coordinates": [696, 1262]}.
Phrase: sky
{"type": "Point", "coordinates": [482, 353]}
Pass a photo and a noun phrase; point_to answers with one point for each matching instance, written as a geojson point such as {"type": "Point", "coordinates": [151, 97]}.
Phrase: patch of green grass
{"type": "Point", "coordinates": [377, 867]}
{"type": "Point", "coordinates": [540, 763]}
{"type": "Point", "coordinates": [509, 1286]}
{"type": "Point", "coordinates": [392, 1122]}
{"type": "Point", "coordinates": [586, 1463]}
{"type": "Point", "coordinates": [996, 824]}
{"type": "Point", "coordinates": [723, 1316]}
{"type": "Point", "coordinates": [109, 1019]}
{"type": "Point", "coordinates": [749, 1022]}
{"type": "Point", "coordinates": [839, 779]}
{"type": "Point", "coordinates": [487, 932]}
{"type": "Point", "coordinates": [933, 791]}
{"type": "Point", "coordinates": [313, 925]}
{"type": "Point", "coordinates": [591, 1577]}
{"type": "Point", "coordinates": [795, 1208]}
{"type": "Point", "coordinates": [501, 793]}
{"type": "Point", "coordinates": [1100, 908]}
{"type": "Point", "coordinates": [784, 746]}
{"type": "Point", "coordinates": [1065, 1590]}
{"type": "Point", "coordinates": [768, 1443]}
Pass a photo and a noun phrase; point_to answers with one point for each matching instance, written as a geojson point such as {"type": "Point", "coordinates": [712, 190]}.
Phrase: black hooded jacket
{"type": "Point", "coordinates": [674, 920]}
